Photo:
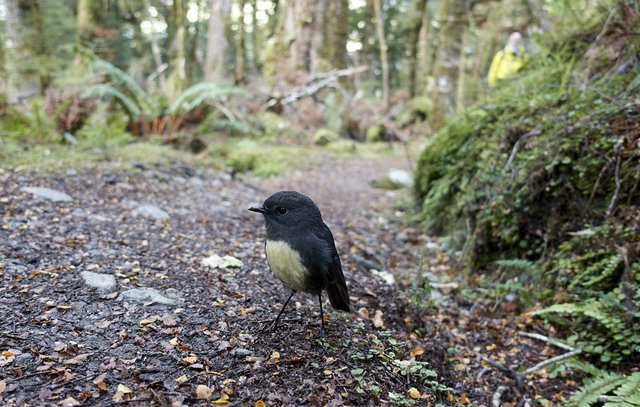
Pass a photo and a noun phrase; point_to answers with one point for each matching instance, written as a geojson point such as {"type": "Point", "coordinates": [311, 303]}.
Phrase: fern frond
{"type": "Point", "coordinates": [520, 264]}
{"type": "Point", "coordinates": [129, 85]}
{"type": "Point", "coordinates": [201, 92]}
{"type": "Point", "coordinates": [108, 91]}
{"type": "Point", "coordinates": [628, 394]}
{"type": "Point", "coordinates": [594, 388]}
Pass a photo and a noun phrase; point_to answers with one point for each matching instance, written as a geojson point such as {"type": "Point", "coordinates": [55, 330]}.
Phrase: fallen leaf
{"type": "Point", "coordinates": [174, 341]}
{"type": "Point", "coordinates": [491, 347]}
{"type": "Point", "coordinates": [69, 402]}
{"type": "Point", "coordinates": [224, 262]}
{"type": "Point", "coordinates": [146, 322]}
{"type": "Point", "coordinates": [121, 392]}
{"type": "Point", "coordinates": [76, 360]}
{"type": "Point", "coordinates": [363, 313]}
{"type": "Point", "coordinates": [3, 386]}
{"type": "Point", "coordinates": [414, 393]}
{"type": "Point", "coordinates": [7, 353]}
{"type": "Point", "coordinates": [259, 403]}
{"type": "Point", "coordinates": [168, 320]}
{"type": "Point", "coordinates": [182, 378]}
{"type": "Point", "coordinates": [189, 360]}
{"type": "Point", "coordinates": [464, 399]}
{"type": "Point", "coordinates": [104, 324]}
{"type": "Point", "coordinates": [224, 399]}
{"type": "Point", "coordinates": [203, 392]}
{"type": "Point", "coordinates": [417, 351]}
{"type": "Point", "coordinates": [377, 319]}
{"type": "Point", "coordinates": [275, 355]}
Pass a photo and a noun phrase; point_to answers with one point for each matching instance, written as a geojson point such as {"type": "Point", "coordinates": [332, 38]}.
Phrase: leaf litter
{"type": "Point", "coordinates": [64, 343]}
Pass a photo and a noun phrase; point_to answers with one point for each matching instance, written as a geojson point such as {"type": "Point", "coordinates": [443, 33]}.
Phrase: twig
{"type": "Point", "coordinates": [511, 373]}
{"type": "Point", "coordinates": [495, 400]}
{"type": "Point", "coordinates": [536, 131]}
{"type": "Point", "coordinates": [546, 339]}
{"type": "Point", "coordinates": [552, 360]}
{"type": "Point", "coordinates": [614, 198]}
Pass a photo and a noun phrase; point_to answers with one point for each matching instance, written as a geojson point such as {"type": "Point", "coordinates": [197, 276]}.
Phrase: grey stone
{"type": "Point", "coordinates": [401, 177]}
{"type": "Point", "coordinates": [48, 193]}
{"type": "Point", "coordinates": [146, 294]}
{"type": "Point", "coordinates": [151, 211]}
{"type": "Point", "coordinates": [105, 283]}
{"type": "Point", "coordinates": [241, 352]}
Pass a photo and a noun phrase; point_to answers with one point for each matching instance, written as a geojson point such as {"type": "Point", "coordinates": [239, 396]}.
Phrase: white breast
{"type": "Point", "coordinates": [286, 264]}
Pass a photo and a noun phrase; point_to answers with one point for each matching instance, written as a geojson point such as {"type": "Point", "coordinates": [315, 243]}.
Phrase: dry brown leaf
{"type": "Point", "coordinates": [275, 355]}
{"type": "Point", "coordinates": [417, 351]}
{"type": "Point", "coordinates": [3, 386]}
{"type": "Point", "coordinates": [76, 360]}
{"type": "Point", "coordinates": [104, 324]}
{"type": "Point", "coordinates": [174, 341]}
{"type": "Point", "coordinates": [189, 360]}
{"type": "Point", "coordinates": [378, 322]}
{"type": "Point", "coordinates": [7, 353]}
{"type": "Point", "coordinates": [182, 378]}
{"type": "Point", "coordinates": [63, 307]}
{"type": "Point", "coordinates": [224, 399]}
{"type": "Point", "coordinates": [203, 392]}
{"type": "Point", "coordinates": [69, 402]}
{"type": "Point", "coordinates": [124, 389]}
{"type": "Point", "coordinates": [168, 320]}
{"type": "Point", "coordinates": [259, 403]}
{"type": "Point", "coordinates": [414, 393]}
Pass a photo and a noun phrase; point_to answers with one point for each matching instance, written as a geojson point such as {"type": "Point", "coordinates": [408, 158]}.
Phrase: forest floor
{"type": "Point", "coordinates": [105, 300]}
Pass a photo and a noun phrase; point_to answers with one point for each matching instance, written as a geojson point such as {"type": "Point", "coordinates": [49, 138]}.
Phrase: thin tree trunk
{"type": "Point", "coordinates": [384, 60]}
{"type": "Point", "coordinates": [180, 58]}
{"type": "Point", "coordinates": [216, 57]}
{"type": "Point", "coordinates": [255, 57]}
{"type": "Point", "coordinates": [241, 49]}
{"type": "Point", "coordinates": [414, 41]}
{"type": "Point", "coordinates": [155, 51]}
{"type": "Point", "coordinates": [83, 20]}
{"type": "Point", "coordinates": [462, 73]}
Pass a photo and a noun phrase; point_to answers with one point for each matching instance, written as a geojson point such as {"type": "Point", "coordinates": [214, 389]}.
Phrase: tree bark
{"type": "Point", "coordinates": [155, 51]}
{"type": "Point", "coordinates": [216, 57]}
{"type": "Point", "coordinates": [384, 60]}
{"type": "Point", "coordinates": [453, 20]}
{"type": "Point", "coordinates": [414, 42]}
{"type": "Point", "coordinates": [180, 55]}
{"type": "Point", "coordinates": [241, 49]}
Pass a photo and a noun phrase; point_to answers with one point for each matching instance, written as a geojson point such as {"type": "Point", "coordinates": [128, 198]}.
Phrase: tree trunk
{"type": "Point", "coordinates": [83, 21]}
{"type": "Point", "coordinates": [384, 60]}
{"type": "Point", "coordinates": [241, 49]}
{"type": "Point", "coordinates": [336, 32]}
{"type": "Point", "coordinates": [180, 54]}
{"type": "Point", "coordinates": [215, 63]}
{"type": "Point", "coordinates": [453, 20]}
{"type": "Point", "coordinates": [155, 51]}
{"type": "Point", "coordinates": [462, 73]}
{"type": "Point", "coordinates": [414, 42]}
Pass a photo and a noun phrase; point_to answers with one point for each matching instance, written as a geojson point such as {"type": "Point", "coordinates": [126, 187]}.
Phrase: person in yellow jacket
{"type": "Point", "coordinates": [508, 61]}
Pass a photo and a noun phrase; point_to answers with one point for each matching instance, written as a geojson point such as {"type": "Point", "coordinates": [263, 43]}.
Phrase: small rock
{"type": "Point", "coordinates": [384, 276]}
{"type": "Point", "coordinates": [48, 193]}
{"type": "Point", "coordinates": [146, 294]}
{"type": "Point", "coordinates": [401, 177]}
{"type": "Point", "coordinates": [241, 352]}
{"type": "Point", "coordinates": [104, 283]}
{"type": "Point", "coordinates": [151, 211]}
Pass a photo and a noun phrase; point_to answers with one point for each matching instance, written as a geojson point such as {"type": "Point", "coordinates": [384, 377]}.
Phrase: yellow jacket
{"type": "Point", "coordinates": [505, 64]}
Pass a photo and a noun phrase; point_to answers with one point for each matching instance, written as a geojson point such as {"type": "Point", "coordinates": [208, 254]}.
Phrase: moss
{"type": "Point", "coordinates": [322, 137]}
{"type": "Point", "coordinates": [376, 133]}
{"type": "Point", "coordinates": [418, 109]}
{"type": "Point", "coordinates": [566, 138]}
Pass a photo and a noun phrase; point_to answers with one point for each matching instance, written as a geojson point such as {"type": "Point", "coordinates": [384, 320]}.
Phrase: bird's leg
{"type": "Point", "coordinates": [322, 333]}
{"type": "Point", "coordinates": [272, 326]}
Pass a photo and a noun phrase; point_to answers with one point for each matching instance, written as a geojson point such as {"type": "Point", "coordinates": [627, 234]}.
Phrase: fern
{"type": "Point", "coordinates": [592, 389]}
{"type": "Point", "coordinates": [129, 85]}
{"type": "Point", "coordinates": [108, 91]}
{"type": "Point", "coordinates": [197, 94]}
{"type": "Point", "coordinates": [520, 264]}
{"type": "Point", "coordinates": [628, 394]}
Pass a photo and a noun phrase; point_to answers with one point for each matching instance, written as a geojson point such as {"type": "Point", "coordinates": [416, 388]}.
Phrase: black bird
{"type": "Point", "coordinates": [301, 251]}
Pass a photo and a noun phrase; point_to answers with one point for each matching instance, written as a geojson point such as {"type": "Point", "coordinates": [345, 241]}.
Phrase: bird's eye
{"type": "Point", "coordinates": [281, 210]}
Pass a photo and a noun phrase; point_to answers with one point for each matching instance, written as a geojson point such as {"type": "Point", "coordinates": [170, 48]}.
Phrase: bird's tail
{"type": "Point", "coordinates": [338, 295]}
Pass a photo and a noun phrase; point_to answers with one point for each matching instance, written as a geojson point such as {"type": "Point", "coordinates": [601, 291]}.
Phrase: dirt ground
{"type": "Point", "coordinates": [199, 340]}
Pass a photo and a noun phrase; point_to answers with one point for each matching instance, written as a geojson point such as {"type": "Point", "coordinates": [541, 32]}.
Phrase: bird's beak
{"type": "Point", "coordinates": [258, 208]}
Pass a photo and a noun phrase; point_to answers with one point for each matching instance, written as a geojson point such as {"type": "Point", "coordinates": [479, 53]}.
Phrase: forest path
{"type": "Point", "coordinates": [160, 327]}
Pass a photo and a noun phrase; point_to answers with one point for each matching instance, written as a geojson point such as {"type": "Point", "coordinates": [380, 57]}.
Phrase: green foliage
{"type": "Point", "coordinates": [202, 92]}
{"type": "Point", "coordinates": [594, 391]}
{"type": "Point", "coordinates": [30, 125]}
{"type": "Point", "coordinates": [322, 137]}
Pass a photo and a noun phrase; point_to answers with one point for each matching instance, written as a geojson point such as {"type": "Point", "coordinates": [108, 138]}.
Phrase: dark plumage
{"type": "Point", "coordinates": [301, 251]}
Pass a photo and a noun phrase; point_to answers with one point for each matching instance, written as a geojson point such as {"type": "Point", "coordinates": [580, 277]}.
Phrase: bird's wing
{"type": "Point", "coordinates": [337, 286]}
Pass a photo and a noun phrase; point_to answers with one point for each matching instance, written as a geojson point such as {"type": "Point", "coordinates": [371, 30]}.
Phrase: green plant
{"type": "Point", "coordinates": [625, 391]}
{"type": "Point", "coordinates": [147, 113]}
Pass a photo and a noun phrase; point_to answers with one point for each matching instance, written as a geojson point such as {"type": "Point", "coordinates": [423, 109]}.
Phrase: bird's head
{"type": "Point", "coordinates": [288, 208]}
